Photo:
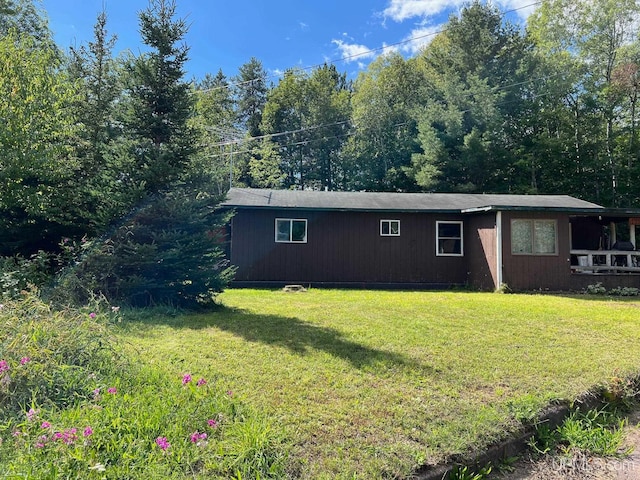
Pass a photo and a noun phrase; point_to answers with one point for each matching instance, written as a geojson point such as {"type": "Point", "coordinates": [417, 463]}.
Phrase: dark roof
{"type": "Point", "coordinates": [402, 202]}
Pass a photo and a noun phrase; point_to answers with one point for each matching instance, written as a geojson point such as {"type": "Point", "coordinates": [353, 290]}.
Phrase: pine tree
{"type": "Point", "coordinates": [161, 103]}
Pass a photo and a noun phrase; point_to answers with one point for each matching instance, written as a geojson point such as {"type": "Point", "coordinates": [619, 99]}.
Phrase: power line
{"type": "Point", "coordinates": [359, 54]}
{"type": "Point", "coordinates": [352, 133]}
{"type": "Point", "coordinates": [239, 141]}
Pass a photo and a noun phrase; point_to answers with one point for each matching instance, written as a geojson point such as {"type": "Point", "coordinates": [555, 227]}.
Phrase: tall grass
{"type": "Point", "coordinates": [74, 406]}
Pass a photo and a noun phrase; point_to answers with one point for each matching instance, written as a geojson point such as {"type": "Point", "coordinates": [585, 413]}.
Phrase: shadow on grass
{"type": "Point", "coordinates": [291, 333]}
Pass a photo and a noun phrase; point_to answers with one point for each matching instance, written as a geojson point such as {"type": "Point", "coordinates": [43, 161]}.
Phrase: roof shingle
{"type": "Point", "coordinates": [409, 202]}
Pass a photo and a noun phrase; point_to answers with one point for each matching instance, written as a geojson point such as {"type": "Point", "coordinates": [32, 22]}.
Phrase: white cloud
{"type": "Point", "coordinates": [400, 10]}
{"type": "Point", "coordinates": [352, 52]}
{"type": "Point", "coordinates": [420, 38]}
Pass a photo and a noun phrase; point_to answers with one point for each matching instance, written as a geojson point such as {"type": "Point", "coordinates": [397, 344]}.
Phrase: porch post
{"type": "Point", "coordinates": [632, 234]}
{"type": "Point", "coordinates": [614, 236]}
{"type": "Point", "coordinates": [499, 279]}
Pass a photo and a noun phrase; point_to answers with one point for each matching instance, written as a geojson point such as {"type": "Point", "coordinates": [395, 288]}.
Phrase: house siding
{"type": "Point", "coordinates": [481, 253]}
{"type": "Point", "coordinates": [344, 247]}
{"type": "Point", "coordinates": [537, 272]}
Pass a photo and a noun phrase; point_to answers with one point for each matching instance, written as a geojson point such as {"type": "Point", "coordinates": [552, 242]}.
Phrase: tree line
{"type": "Point", "coordinates": [487, 106]}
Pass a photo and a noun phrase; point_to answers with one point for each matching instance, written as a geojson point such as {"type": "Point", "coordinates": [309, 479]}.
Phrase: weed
{"type": "Point", "coordinates": [463, 473]}
{"type": "Point", "coordinates": [595, 289]}
{"type": "Point", "coordinates": [545, 440]}
{"type": "Point", "coordinates": [598, 432]}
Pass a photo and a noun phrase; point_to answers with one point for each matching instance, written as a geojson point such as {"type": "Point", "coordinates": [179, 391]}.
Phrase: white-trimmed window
{"type": "Point", "coordinates": [291, 230]}
{"type": "Point", "coordinates": [449, 239]}
{"type": "Point", "coordinates": [390, 228]}
{"type": "Point", "coordinates": [534, 237]}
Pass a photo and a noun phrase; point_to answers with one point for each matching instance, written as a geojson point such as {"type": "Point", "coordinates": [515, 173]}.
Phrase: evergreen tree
{"type": "Point", "coordinates": [168, 251]}
{"type": "Point", "coordinates": [97, 74]}
{"type": "Point", "coordinates": [214, 120]}
{"type": "Point", "coordinates": [251, 94]}
{"type": "Point", "coordinates": [160, 100]}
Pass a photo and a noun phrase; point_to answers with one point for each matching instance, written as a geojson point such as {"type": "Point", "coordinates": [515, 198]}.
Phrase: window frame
{"type": "Point", "coordinates": [532, 230]}
{"type": "Point", "coordinates": [461, 238]}
{"type": "Point", "coordinates": [390, 234]}
{"type": "Point", "coordinates": [291, 220]}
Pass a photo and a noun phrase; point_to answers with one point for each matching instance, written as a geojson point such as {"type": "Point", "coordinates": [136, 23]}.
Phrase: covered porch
{"type": "Point", "coordinates": [605, 244]}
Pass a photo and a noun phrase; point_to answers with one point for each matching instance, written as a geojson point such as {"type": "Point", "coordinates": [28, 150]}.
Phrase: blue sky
{"type": "Point", "coordinates": [280, 33]}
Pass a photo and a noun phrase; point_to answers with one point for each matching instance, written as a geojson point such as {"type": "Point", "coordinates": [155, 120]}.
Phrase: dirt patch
{"type": "Point", "coordinates": [578, 466]}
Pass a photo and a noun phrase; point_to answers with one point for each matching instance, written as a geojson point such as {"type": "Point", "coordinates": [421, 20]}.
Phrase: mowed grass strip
{"type": "Point", "coordinates": [373, 384]}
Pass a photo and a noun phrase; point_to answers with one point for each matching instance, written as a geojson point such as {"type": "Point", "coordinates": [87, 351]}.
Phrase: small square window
{"type": "Point", "coordinates": [390, 228]}
{"type": "Point", "coordinates": [449, 239]}
{"type": "Point", "coordinates": [290, 230]}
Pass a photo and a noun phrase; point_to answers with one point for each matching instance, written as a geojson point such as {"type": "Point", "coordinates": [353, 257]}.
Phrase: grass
{"type": "Point", "coordinates": [73, 404]}
{"type": "Point", "coordinates": [374, 384]}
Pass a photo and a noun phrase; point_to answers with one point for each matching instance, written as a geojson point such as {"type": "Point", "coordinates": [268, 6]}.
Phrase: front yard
{"type": "Point", "coordinates": [371, 384]}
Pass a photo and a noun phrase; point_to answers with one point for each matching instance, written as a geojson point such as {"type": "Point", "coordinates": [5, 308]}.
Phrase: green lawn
{"type": "Point", "coordinates": [377, 383]}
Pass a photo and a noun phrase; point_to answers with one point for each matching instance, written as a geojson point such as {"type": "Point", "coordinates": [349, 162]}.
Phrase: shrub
{"type": "Point", "coordinates": [624, 292]}
{"type": "Point", "coordinates": [595, 289]}
{"type": "Point", "coordinates": [167, 252]}
{"type": "Point", "coordinates": [18, 273]}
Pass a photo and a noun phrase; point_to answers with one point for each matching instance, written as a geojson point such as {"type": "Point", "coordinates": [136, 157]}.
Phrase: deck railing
{"type": "Point", "coordinates": [605, 261]}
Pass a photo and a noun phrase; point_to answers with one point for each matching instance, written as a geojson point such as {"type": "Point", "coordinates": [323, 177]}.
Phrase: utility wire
{"type": "Point", "coordinates": [351, 133]}
{"type": "Point", "coordinates": [343, 122]}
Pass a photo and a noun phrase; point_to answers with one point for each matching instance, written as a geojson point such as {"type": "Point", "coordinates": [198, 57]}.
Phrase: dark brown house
{"type": "Point", "coordinates": [426, 240]}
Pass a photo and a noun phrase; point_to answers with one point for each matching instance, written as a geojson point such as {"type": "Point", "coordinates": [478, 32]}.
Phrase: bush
{"type": "Point", "coordinates": [595, 289]}
{"type": "Point", "coordinates": [167, 252]}
{"type": "Point", "coordinates": [18, 273]}
{"type": "Point", "coordinates": [49, 357]}
{"type": "Point", "coordinates": [624, 292]}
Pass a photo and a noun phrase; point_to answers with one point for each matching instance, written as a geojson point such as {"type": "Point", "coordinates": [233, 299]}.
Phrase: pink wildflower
{"type": "Point", "coordinates": [163, 443]}
{"type": "Point", "coordinates": [196, 437]}
{"type": "Point", "coordinates": [96, 393]}
{"type": "Point", "coordinates": [201, 382]}
{"type": "Point", "coordinates": [4, 366]}
{"type": "Point", "coordinates": [68, 436]}
{"type": "Point", "coordinates": [212, 423]}
{"type": "Point", "coordinates": [112, 390]}
{"type": "Point", "coordinates": [24, 360]}
{"type": "Point", "coordinates": [186, 378]}
{"type": "Point", "coordinates": [45, 425]}
{"type": "Point", "coordinates": [31, 413]}
{"type": "Point", "coordinates": [230, 393]}
{"type": "Point", "coordinates": [42, 440]}
{"type": "Point", "coordinates": [88, 431]}
{"type": "Point", "coordinates": [92, 315]}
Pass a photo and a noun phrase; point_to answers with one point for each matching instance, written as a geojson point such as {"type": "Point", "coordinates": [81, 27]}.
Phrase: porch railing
{"type": "Point", "coordinates": [605, 261]}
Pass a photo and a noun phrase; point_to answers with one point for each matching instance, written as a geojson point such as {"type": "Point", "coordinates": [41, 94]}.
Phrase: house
{"type": "Point", "coordinates": [429, 240]}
